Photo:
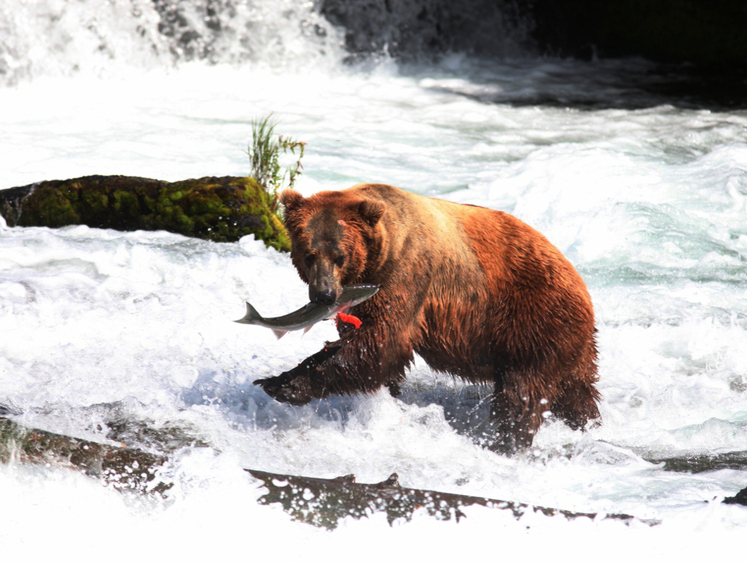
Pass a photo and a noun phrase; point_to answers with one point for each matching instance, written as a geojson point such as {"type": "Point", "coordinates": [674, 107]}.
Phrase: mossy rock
{"type": "Point", "coordinates": [219, 209]}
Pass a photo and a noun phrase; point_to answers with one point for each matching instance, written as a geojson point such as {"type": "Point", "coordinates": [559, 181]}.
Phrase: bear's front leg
{"type": "Point", "coordinates": [301, 384]}
{"type": "Point", "coordinates": [360, 362]}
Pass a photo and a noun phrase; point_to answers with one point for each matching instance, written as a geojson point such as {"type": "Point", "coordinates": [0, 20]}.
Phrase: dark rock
{"type": "Point", "coordinates": [740, 498]}
{"type": "Point", "coordinates": [712, 32]}
{"type": "Point", "coordinates": [412, 28]}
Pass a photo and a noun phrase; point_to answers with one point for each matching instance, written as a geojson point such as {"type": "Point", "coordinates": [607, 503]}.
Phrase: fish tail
{"type": "Point", "coordinates": [251, 317]}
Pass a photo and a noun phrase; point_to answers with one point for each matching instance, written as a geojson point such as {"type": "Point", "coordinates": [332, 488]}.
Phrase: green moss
{"type": "Point", "coordinates": [48, 207]}
{"type": "Point", "coordinates": [222, 209]}
{"type": "Point", "coordinates": [125, 203]}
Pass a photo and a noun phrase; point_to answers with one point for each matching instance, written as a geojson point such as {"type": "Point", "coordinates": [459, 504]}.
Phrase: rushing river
{"type": "Point", "coordinates": [644, 193]}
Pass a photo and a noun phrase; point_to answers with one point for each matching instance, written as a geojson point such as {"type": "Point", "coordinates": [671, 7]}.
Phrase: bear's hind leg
{"type": "Point", "coordinates": [577, 405]}
{"type": "Point", "coordinates": [515, 418]}
{"type": "Point", "coordinates": [394, 388]}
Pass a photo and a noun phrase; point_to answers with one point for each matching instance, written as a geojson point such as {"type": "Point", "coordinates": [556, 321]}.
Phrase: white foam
{"type": "Point", "coordinates": [649, 205]}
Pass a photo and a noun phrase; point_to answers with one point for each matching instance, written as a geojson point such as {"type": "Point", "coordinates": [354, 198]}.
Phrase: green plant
{"type": "Point", "coordinates": [264, 155]}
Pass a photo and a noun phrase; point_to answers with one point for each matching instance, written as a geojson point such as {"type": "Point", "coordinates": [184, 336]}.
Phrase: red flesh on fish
{"type": "Point", "coordinates": [349, 319]}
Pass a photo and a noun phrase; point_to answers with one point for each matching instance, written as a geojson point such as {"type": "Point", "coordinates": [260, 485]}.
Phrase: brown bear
{"type": "Point", "coordinates": [475, 292]}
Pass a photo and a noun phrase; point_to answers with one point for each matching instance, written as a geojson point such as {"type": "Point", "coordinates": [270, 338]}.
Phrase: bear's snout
{"type": "Point", "coordinates": [322, 296]}
{"type": "Point", "coordinates": [324, 285]}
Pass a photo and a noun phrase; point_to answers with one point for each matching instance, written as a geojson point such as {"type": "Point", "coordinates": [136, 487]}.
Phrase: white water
{"type": "Point", "coordinates": [95, 326]}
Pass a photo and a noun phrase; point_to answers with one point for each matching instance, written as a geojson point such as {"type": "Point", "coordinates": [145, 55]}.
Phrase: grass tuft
{"type": "Point", "coordinates": [264, 155]}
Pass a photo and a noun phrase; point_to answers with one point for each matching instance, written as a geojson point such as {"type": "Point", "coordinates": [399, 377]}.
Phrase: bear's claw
{"type": "Point", "coordinates": [286, 389]}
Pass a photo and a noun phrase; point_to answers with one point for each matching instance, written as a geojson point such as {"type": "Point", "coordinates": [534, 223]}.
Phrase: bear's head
{"type": "Point", "coordinates": [332, 237]}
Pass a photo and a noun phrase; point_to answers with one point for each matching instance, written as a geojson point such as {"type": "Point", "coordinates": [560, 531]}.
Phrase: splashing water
{"type": "Point", "coordinates": [648, 198]}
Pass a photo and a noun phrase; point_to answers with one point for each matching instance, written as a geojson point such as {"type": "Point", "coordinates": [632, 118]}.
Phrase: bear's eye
{"type": "Point", "coordinates": [309, 260]}
{"type": "Point", "coordinates": [340, 260]}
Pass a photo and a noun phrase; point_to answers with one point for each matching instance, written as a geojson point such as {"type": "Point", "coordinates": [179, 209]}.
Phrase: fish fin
{"type": "Point", "coordinates": [251, 315]}
{"type": "Point", "coordinates": [279, 333]}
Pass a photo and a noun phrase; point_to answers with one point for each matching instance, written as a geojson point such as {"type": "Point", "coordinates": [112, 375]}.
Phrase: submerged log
{"type": "Point", "coordinates": [317, 501]}
{"type": "Point", "coordinates": [325, 502]}
{"type": "Point", "coordinates": [221, 209]}
{"type": "Point", "coordinates": [123, 468]}
{"type": "Point", "coordinates": [734, 460]}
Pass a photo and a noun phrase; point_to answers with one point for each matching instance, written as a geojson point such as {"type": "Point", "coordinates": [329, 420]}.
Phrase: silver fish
{"type": "Point", "coordinates": [306, 316]}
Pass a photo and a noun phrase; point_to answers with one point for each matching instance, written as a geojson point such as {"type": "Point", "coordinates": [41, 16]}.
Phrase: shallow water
{"type": "Point", "coordinates": [647, 197]}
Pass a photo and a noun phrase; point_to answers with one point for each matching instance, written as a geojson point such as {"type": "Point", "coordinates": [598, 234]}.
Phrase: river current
{"type": "Point", "coordinates": [645, 193]}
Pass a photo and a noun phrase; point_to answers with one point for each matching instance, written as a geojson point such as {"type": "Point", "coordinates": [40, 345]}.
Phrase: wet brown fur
{"type": "Point", "coordinates": [475, 292]}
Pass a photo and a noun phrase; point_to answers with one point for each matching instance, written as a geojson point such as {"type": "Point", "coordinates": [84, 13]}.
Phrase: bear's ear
{"type": "Point", "coordinates": [371, 211]}
{"type": "Point", "coordinates": [291, 199]}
